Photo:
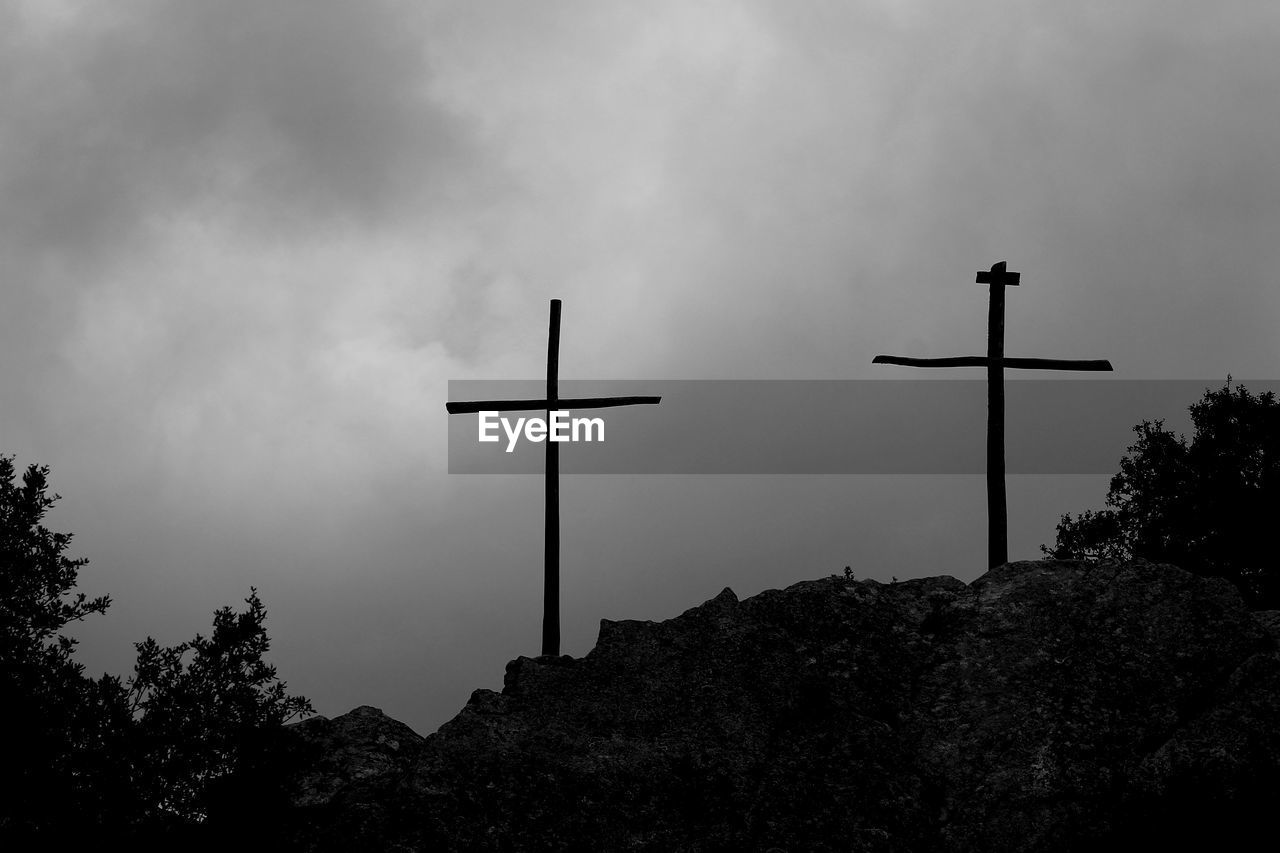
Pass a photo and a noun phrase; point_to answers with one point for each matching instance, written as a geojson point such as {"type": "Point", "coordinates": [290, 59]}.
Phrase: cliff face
{"type": "Point", "coordinates": [1046, 706]}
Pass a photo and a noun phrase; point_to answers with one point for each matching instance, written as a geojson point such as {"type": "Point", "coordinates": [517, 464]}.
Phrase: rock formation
{"type": "Point", "coordinates": [1047, 706]}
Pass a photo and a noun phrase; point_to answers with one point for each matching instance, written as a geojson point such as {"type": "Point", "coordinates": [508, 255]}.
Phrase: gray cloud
{"type": "Point", "coordinates": [247, 243]}
{"type": "Point", "coordinates": [283, 115]}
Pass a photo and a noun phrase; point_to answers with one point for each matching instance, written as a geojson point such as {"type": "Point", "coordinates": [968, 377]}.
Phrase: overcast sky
{"type": "Point", "coordinates": [246, 244]}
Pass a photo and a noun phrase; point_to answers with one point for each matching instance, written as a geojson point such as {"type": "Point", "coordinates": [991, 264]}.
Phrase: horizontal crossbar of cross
{"type": "Point", "coordinates": [1100, 364]}
{"type": "Point", "coordinates": [540, 405]}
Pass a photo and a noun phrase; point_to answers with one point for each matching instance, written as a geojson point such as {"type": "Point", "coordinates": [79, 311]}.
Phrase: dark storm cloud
{"type": "Point", "coordinates": [283, 114]}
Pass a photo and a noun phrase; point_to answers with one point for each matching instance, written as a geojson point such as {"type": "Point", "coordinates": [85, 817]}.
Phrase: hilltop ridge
{"type": "Point", "coordinates": [1048, 705]}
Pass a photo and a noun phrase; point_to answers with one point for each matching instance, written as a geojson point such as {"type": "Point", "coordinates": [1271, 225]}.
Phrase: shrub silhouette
{"type": "Point", "coordinates": [1207, 505]}
{"type": "Point", "coordinates": [205, 712]}
{"type": "Point", "coordinates": [194, 733]}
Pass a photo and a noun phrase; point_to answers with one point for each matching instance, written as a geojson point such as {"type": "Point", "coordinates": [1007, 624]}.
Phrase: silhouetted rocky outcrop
{"type": "Point", "coordinates": [1047, 706]}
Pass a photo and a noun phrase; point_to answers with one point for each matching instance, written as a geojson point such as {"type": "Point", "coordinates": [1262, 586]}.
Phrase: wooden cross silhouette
{"type": "Point", "coordinates": [998, 277]}
{"type": "Point", "coordinates": [553, 401]}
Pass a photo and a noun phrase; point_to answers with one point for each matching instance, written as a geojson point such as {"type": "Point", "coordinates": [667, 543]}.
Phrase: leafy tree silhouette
{"type": "Point", "coordinates": [54, 759]}
{"type": "Point", "coordinates": [205, 724]}
{"type": "Point", "coordinates": [194, 734]}
{"type": "Point", "coordinates": [1207, 505]}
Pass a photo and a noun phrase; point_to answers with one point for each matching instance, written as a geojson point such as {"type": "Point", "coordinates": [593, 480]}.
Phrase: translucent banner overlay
{"type": "Point", "coordinates": [929, 427]}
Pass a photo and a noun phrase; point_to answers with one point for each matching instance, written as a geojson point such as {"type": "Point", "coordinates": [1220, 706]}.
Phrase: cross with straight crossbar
{"type": "Point", "coordinates": [998, 277]}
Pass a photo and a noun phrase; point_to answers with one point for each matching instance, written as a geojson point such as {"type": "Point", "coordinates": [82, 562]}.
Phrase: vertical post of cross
{"type": "Point", "coordinates": [551, 540]}
{"type": "Point", "coordinates": [997, 504]}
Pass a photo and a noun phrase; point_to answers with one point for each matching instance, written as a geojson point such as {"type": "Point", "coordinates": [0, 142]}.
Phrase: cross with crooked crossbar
{"type": "Point", "coordinates": [552, 402]}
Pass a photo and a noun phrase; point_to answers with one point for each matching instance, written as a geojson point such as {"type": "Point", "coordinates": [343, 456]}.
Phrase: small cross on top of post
{"type": "Point", "coordinates": [998, 277]}
{"type": "Point", "coordinates": [552, 402]}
